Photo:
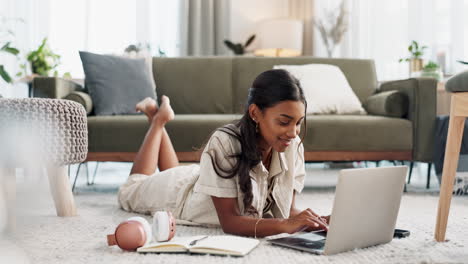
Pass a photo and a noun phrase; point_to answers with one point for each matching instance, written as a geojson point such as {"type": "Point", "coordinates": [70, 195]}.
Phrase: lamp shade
{"type": "Point", "coordinates": [279, 38]}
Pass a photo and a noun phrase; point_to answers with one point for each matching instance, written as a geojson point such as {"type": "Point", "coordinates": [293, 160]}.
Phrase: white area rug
{"type": "Point", "coordinates": [44, 238]}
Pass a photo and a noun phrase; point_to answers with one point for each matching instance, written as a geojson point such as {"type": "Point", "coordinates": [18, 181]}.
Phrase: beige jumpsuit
{"type": "Point", "coordinates": [186, 190]}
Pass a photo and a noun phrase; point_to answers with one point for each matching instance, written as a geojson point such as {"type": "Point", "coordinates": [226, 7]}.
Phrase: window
{"type": "Point", "coordinates": [382, 30]}
{"type": "Point", "coordinates": [104, 27]}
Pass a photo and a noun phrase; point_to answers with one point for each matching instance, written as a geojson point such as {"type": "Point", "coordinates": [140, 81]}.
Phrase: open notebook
{"type": "Point", "coordinates": [219, 245]}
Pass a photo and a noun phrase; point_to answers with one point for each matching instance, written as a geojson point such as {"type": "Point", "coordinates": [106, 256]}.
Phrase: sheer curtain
{"type": "Point", "coordinates": [109, 26]}
{"type": "Point", "coordinates": [382, 30]}
{"type": "Point", "coordinates": [104, 26]}
{"type": "Point", "coordinates": [27, 19]}
{"type": "Point", "coordinates": [204, 26]}
{"type": "Point", "coordinates": [304, 10]}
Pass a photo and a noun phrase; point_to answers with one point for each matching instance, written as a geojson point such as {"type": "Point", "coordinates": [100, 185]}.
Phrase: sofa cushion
{"type": "Point", "coordinates": [325, 88]}
{"type": "Point", "coordinates": [359, 73]}
{"type": "Point", "coordinates": [196, 85]}
{"type": "Point", "coordinates": [358, 133]}
{"type": "Point", "coordinates": [115, 83]}
{"type": "Point", "coordinates": [390, 103]}
{"type": "Point", "coordinates": [123, 133]}
{"type": "Point", "coordinates": [457, 83]}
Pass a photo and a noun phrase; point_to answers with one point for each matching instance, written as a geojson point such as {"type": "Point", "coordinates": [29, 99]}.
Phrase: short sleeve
{"type": "Point", "coordinates": [299, 168]}
{"type": "Point", "coordinates": [217, 153]}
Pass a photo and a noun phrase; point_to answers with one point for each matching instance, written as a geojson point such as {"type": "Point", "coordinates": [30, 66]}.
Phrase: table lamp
{"type": "Point", "coordinates": [279, 38]}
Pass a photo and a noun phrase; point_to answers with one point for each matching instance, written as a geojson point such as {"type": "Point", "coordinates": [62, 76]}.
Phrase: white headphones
{"type": "Point", "coordinates": [163, 226]}
{"type": "Point", "coordinates": [136, 232]}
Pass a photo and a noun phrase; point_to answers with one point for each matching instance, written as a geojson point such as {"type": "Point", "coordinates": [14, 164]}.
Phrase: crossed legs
{"type": "Point", "coordinates": [157, 150]}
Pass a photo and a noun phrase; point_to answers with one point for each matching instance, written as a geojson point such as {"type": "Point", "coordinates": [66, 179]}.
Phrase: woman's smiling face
{"type": "Point", "coordinates": [279, 124]}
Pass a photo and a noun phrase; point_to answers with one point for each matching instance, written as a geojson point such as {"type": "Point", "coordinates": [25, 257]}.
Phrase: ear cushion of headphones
{"type": "Point", "coordinates": [163, 226]}
{"type": "Point", "coordinates": [146, 227]}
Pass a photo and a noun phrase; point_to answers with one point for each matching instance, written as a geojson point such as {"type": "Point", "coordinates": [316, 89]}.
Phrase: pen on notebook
{"type": "Point", "coordinates": [196, 240]}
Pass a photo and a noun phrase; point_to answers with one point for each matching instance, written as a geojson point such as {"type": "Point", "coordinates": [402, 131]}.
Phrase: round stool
{"type": "Point", "coordinates": [43, 133]}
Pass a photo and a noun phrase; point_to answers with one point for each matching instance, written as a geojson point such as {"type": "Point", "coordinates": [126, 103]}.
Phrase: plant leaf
{"type": "Point", "coordinates": [249, 41]}
{"type": "Point", "coordinates": [5, 46]}
{"type": "Point", "coordinates": [67, 75]}
{"type": "Point", "coordinates": [229, 44]}
{"type": "Point", "coordinates": [8, 49]}
{"type": "Point", "coordinates": [5, 76]}
{"type": "Point", "coordinates": [11, 50]}
{"type": "Point", "coordinates": [239, 49]}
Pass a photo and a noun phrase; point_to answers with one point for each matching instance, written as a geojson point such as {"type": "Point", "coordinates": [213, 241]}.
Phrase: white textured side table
{"type": "Point", "coordinates": [46, 133]}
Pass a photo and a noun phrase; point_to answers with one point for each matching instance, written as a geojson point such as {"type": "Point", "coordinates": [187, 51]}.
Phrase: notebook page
{"type": "Point", "coordinates": [242, 245]}
{"type": "Point", "coordinates": [182, 242]}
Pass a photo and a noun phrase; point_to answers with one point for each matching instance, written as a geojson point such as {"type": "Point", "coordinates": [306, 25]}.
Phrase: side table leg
{"type": "Point", "coordinates": [452, 153]}
{"type": "Point", "coordinates": [61, 191]}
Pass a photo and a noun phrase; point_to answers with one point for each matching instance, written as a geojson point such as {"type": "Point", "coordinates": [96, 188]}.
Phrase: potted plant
{"type": "Point", "coordinates": [238, 48]}
{"type": "Point", "coordinates": [415, 59]}
{"type": "Point", "coordinates": [42, 60]}
{"type": "Point", "coordinates": [432, 69]}
{"type": "Point", "coordinates": [332, 27]}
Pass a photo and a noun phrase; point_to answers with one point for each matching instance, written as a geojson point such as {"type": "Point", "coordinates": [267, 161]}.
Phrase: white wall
{"type": "Point", "coordinates": [246, 13]}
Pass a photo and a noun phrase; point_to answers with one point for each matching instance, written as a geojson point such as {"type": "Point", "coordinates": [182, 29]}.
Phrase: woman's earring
{"type": "Point", "coordinates": [256, 125]}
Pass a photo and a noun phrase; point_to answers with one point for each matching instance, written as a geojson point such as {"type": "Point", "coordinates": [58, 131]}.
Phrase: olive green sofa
{"type": "Point", "coordinates": [208, 92]}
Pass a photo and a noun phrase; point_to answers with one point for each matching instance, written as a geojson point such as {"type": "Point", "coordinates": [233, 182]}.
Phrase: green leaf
{"type": "Point", "coordinates": [5, 46]}
{"type": "Point", "coordinates": [238, 49]}
{"type": "Point", "coordinates": [5, 76]}
{"type": "Point", "coordinates": [11, 50]}
{"type": "Point", "coordinates": [67, 75]}
{"type": "Point", "coordinates": [249, 41]}
{"type": "Point", "coordinates": [229, 44]}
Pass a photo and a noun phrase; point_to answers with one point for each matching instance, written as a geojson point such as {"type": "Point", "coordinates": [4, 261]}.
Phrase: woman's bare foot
{"type": "Point", "coordinates": [165, 112]}
{"type": "Point", "coordinates": [147, 106]}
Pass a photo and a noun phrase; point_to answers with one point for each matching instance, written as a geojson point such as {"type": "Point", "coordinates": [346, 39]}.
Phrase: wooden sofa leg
{"type": "Point", "coordinates": [61, 191]}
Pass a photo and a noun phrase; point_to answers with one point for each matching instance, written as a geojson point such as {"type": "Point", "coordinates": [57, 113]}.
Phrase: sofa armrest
{"type": "Point", "coordinates": [54, 87]}
{"type": "Point", "coordinates": [82, 98]}
{"type": "Point", "coordinates": [421, 94]}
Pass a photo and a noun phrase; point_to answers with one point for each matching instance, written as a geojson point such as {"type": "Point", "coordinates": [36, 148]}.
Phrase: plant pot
{"type": "Point", "coordinates": [415, 65]}
{"type": "Point", "coordinates": [433, 73]}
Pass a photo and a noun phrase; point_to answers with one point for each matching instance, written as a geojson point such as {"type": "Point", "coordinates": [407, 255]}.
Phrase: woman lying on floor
{"type": "Point", "coordinates": [249, 174]}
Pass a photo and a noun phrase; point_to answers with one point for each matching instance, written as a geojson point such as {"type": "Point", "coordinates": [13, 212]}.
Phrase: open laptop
{"type": "Point", "coordinates": [364, 213]}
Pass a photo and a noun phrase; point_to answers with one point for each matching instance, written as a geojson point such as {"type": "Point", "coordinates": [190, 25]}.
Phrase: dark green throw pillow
{"type": "Point", "coordinates": [390, 103]}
